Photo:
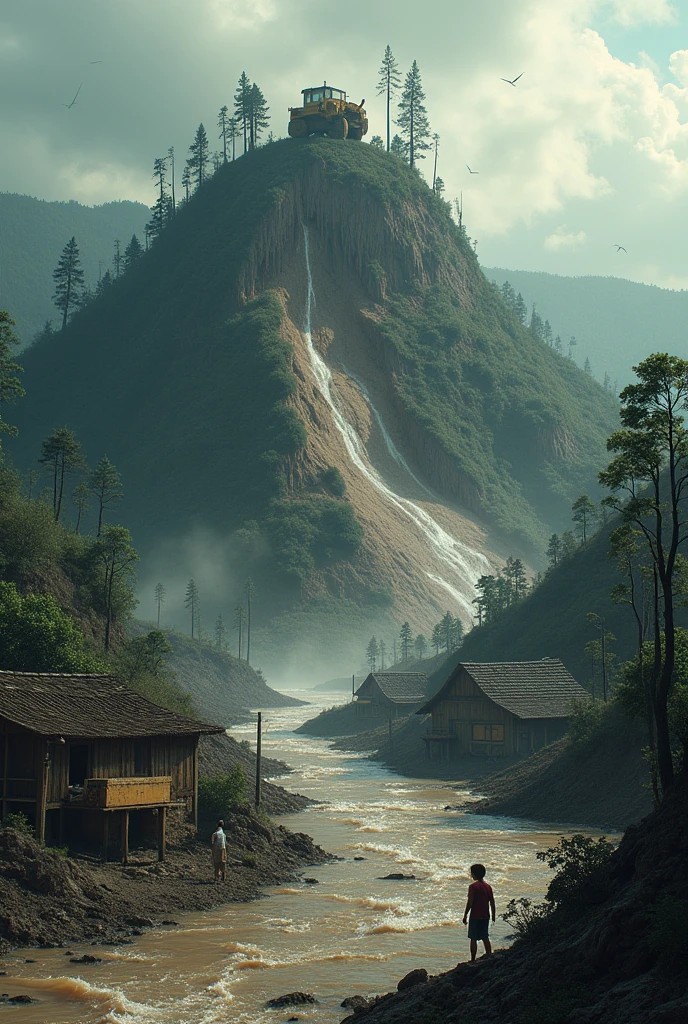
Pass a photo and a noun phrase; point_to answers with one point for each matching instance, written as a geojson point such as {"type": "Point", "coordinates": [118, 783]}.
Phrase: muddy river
{"type": "Point", "coordinates": [351, 933]}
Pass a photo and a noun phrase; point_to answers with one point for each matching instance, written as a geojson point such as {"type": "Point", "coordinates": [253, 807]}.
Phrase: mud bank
{"type": "Point", "coordinates": [47, 899]}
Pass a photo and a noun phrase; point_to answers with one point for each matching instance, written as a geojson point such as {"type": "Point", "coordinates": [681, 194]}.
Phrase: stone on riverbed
{"type": "Point", "coordinates": [87, 958]}
{"type": "Point", "coordinates": [355, 1003]}
{"type": "Point", "coordinates": [396, 876]}
{"type": "Point", "coordinates": [311, 881]}
{"type": "Point", "coordinates": [290, 999]}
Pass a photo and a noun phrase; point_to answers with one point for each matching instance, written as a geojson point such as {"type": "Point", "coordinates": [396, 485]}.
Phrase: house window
{"type": "Point", "coordinates": [488, 733]}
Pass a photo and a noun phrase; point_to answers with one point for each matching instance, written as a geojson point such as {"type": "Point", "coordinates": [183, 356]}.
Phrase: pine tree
{"type": "Point", "coordinates": [572, 345]}
{"type": "Point", "coordinates": [61, 452]}
{"type": "Point", "coordinates": [115, 553]}
{"type": "Point", "coordinates": [587, 366]}
{"type": "Point", "coordinates": [372, 653]}
{"type": "Point", "coordinates": [198, 156]}
{"type": "Point", "coordinates": [225, 130]}
{"type": "Point", "coordinates": [69, 281]}
{"type": "Point", "coordinates": [413, 117]}
{"type": "Point", "coordinates": [220, 633]}
{"type": "Point", "coordinates": [160, 594]}
{"type": "Point", "coordinates": [10, 387]}
{"type": "Point", "coordinates": [436, 147]}
{"type": "Point", "coordinates": [82, 502]}
{"type": "Point", "coordinates": [191, 601]}
{"type": "Point", "coordinates": [377, 142]}
{"type": "Point", "coordinates": [439, 186]}
{"type": "Point", "coordinates": [420, 645]}
{"type": "Point", "coordinates": [568, 545]}
{"type": "Point", "coordinates": [259, 118]}
{"type": "Point", "coordinates": [437, 637]}
{"type": "Point", "coordinates": [558, 344]}
{"type": "Point", "coordinates": [106, 484]}
{"type": "Point", "coordinates": [536, 325]}
{"type": "Point", "coordinates": [161, 208]}
{"type": "Point", "coordinates": [447, 631]}
{"type": "Point", "coordinates": [173, 198]}
{"type": "Point", "coordinates": [117, 258]}
{"type": "Point", "coordinates": [239, 616]}
{"type": "Point", "coordinates": [547, 333]}
{"type": "Point", "coordinates": [389, 81]}
{"type": "Point", "coordinates": [132, 253]}
{"type": "Point", "coordinates": [520, 308]}
{"type": "Point", "coordinates": [104, 284]}
{"type": "Point", "coordinates": [186, 180]}
{"type": "Point", "coordinates": [508, 295]}
{"type": "Point", "coordinates": [398, 147]}
{"type": "Point", "coordinates": [242, 107]}
{"type": "Point", "coordinates": [383, 654]}
{"type": "Point", "coordinates": [584, 513]}
{"type": "Point", "coordinates": [405, 640]}
{"type": "Point", "coordinates": [554, 551]}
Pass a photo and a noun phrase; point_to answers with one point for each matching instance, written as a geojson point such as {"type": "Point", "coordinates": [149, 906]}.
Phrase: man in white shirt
{"type": "Point", "coordinates": [218, 845]}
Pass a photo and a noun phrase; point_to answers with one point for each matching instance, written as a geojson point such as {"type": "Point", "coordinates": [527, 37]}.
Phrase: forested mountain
{"type": "Point", "coordinates": [32, 235]}
{"type": "Point", "coordinates": [615, 323]}
{"type": "Point", "coordinates": [375, 473]}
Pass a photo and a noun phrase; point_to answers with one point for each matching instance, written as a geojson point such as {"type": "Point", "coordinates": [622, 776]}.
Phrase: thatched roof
{"type": "Point", "coordinates": [528, 689]}
{"type": "Point", "coordinates": [87, 707]}
{"type": "Point", "coordinates": [399, 687]}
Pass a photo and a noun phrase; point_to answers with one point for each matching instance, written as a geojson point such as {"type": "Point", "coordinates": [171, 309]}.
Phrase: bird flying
{"type": "Point", "coordinates": [620, 248]}
{"type": "Point", "coordinates": [472, 172]}
{"type": "Point", "coordinates": [512, 81]}
{"type": "Point", "coordinates": [70, 105]}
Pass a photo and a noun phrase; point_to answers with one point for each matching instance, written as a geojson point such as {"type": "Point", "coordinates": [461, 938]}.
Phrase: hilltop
{"type": "Point", "coordinates": [438, 394]}
{"type": "Point", "coordinates": [34, 233]}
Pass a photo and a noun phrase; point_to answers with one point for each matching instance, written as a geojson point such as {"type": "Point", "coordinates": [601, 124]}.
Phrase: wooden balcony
{"type": "Point", "coordinates": [111, 794]}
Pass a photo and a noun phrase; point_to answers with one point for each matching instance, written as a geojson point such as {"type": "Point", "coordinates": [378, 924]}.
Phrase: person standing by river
{"type": "Point", "coordinates": [480, 904]}
{"type": "Point", "coordinates": [218, 844]}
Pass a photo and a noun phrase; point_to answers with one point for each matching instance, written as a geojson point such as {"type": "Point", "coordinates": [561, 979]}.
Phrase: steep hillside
{"type": "Point", "coordinates": [616, 323]}
{"type": "Point", "coordinates": [315, 384]}
{"type": "Point", "coordinates": [35, 232]}
{"type": "Point", "coordinates": [223, 689]}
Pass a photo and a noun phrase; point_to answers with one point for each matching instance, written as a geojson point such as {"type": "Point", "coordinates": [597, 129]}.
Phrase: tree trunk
{"type": "Point", "coordinates": [58, 510]}
{"type": "Point", "coordinates": [389, 100]}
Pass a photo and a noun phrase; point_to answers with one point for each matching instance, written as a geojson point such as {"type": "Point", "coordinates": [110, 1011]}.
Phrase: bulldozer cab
{"type": "Point", "coordinates": [323, 92]}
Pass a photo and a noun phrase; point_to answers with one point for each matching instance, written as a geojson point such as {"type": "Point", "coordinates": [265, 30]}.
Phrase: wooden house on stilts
{"type": "Point", "coordinates": [84, 758]}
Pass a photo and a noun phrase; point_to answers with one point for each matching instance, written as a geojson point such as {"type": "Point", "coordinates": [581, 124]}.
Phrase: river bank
{"type": "Point", "coordinates": [355, 930]}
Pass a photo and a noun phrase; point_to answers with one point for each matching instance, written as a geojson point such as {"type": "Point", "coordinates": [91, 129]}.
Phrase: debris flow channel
{"type": "Point", "coordinates": [461, 565]}
{"type": "Point", "coordinates": [354, 932]}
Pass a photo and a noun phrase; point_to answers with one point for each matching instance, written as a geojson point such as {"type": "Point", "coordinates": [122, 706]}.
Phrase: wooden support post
{"type": "Point", "coordinates": [106, 837]}
{"type": "Point", "coordinates": [43, 768]}
{"type": "Point", "coordinates": [162, 832]}
{"type": "Point", "coordinates": [195, 785]}
{"type": "Point", "coordinates": [125, 837]}
{"type": "Point", "coordinates": [259, 740]}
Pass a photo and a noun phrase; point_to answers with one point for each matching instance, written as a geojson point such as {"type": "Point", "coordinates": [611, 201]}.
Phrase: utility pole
{"type": "Point", "coordinates": [259, 739]}
{"type": "Point", "coordinates": [353, 686]}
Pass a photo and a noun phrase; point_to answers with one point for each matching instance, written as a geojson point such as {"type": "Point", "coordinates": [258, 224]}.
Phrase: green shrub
{"type": "Point", "coordinates": [526, 917]}
{"type": "Point", "coordinates": [584, 721]}
{"type": "Point", "coordinates": [582, 870]}
{"type": "Point", "coordinates": [37, 636]}
{"type": "Point", "coordinates": [221, 793]}
{"type": "Point", "coordinates": [19, 822]}
{"type": "Point", "coordinates": [333, 481]}
{"type": "Point", "coordinates": [248, 861]}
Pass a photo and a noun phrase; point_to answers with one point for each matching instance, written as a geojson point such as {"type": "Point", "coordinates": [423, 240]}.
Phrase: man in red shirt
{"type": "Point", "coordinates": [480, 905]}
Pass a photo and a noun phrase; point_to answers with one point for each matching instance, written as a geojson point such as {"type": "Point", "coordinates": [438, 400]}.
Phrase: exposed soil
{"type": "Point", "coordinates": [603, 784]}
{"type": "Point", "coordinates": [48, 899]}
{"type": "Point", "coordinates": [622, 959]}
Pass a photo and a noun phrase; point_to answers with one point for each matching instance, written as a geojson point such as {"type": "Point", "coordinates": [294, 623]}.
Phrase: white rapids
{"type": "Point", "coordinates": [461, 565]}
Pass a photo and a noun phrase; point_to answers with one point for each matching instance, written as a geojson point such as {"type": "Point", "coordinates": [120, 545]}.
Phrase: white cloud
{"type": "Point", "coordinates": [563, 239]}
{"type": "Point", "coordinates": [643, 12]}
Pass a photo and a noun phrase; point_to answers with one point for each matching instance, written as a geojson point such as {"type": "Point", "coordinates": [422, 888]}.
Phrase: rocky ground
{"type": "Point", "coordinates": [621, 959]}
{"type": "Point", "coordinates": [48, 899]}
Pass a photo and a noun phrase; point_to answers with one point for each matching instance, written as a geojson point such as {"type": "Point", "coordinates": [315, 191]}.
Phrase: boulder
{"type": "Point", "coordinates": [311, 881]}
{"type": "Point", "coordinates": [290, 999]}
{"type": "Point", "coordinates": [396, 876]}
{"type": "Point", "coordinates": [87, 958]}
{"type": "Point", "coordinates": [21, 999]}
{"type": "Point", "coordinates": [355, 1003]}
{"type": "Point", "coordinates": [417, 977]}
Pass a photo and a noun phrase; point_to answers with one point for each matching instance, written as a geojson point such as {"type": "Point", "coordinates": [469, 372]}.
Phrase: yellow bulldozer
{"type": "Point", "coordinates": [326, 111]}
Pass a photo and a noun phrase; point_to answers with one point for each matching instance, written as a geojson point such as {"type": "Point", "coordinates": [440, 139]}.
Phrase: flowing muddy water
{"type": "Point", "coordinates": [352, 933]}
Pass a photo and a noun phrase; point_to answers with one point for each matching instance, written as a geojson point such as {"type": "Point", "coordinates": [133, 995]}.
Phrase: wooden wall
{"type": "Point", "coordinates": [466, 705]}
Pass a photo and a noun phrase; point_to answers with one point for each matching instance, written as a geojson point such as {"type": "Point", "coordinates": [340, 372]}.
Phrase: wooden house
{"type": "Point", "coordinates": [384, 695]}
{"type": "Point", "coordinates": [83, 754]}
{"type": "Point", "coordinates": [500, 708]}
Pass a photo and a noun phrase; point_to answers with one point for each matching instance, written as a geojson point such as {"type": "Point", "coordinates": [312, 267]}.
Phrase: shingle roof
{"type": "Point", "coordinates": [528, 689]}
{"type": "Point", "coordinates": [88, 707]}
{"type": "Point", "coordinates": [399, 687]}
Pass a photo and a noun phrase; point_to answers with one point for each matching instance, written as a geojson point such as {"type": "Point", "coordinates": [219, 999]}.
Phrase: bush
{"type": "Point", "coordinates": [582, 870]}
{"type": "Point", "coordinates": [333, 481]}
{"type": "Point", "coordinates": [19, 822]}
{"type": "Point", "coordinates": [221, 793]}
{"type": "Point", "coordinates": [527, 917]}
{"type": "Point", "coordinates": [584, 720]}
{"type": "Point", "coordinates": [37, 636]}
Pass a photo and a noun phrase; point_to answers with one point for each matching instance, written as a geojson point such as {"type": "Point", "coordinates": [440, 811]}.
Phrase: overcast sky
{"type": "Point", "coordinates": [590, 149]}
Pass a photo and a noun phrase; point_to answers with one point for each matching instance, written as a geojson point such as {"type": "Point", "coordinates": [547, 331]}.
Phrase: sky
{"type": "Point", "coordinates": [588, 151]}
